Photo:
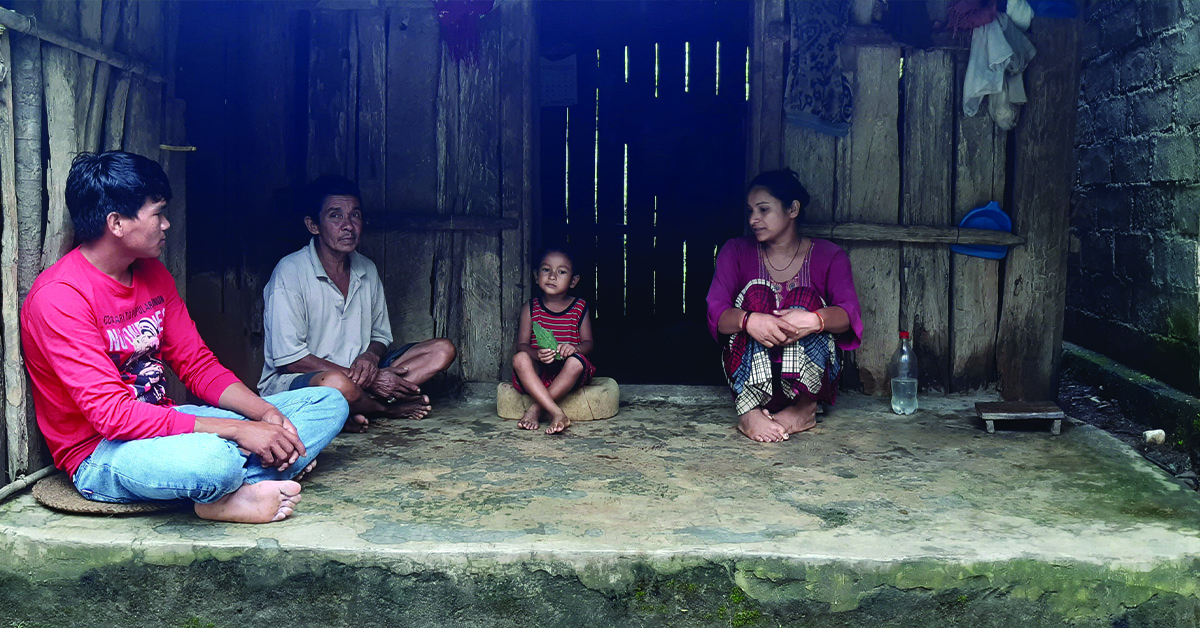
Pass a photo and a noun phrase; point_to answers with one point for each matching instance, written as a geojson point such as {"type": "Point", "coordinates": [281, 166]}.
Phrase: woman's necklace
{"type": "Point", "coordinates": [767, 256]}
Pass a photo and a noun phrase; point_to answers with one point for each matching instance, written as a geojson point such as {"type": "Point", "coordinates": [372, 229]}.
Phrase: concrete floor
{"type": "Point", "coordinates": [663, 515]}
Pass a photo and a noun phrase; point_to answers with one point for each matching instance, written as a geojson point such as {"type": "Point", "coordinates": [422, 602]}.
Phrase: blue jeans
{"type": "Point", "coordinates": [204, 467]}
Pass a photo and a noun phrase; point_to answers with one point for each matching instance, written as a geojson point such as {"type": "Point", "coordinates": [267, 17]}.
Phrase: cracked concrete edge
{"type": "Point", "coordinates": [1141, 397]}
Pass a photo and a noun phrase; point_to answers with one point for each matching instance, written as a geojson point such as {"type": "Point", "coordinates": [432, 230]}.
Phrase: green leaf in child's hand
{"type": "Point", "coordinates": [545, 339]}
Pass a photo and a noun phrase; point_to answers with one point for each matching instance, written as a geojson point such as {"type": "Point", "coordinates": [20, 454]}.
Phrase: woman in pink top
{"type": "Point", "coordinates": [781, 305]}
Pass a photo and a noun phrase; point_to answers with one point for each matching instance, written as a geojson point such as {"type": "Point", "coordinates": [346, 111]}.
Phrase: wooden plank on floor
{"type": "Point", "coordinates": [926, 166]}
{"type": "Point", "coordinates": [980, 155]}
{"type": "Point", "coordinates": [1029, 343]}
{"type": "Point", "coordinates": [871, 177]}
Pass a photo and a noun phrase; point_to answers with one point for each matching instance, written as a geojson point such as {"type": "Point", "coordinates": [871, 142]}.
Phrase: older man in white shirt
{"type": "Point", "coordinates": [326, 320]}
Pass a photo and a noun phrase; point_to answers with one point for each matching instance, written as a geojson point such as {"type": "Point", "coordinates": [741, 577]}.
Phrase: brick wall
{"type": "Point", "coordinates": [1132, 286]}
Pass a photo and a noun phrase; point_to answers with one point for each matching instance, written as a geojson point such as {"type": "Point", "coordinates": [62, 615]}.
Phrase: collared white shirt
{"type": "Point", "coordinates": [304, 313]}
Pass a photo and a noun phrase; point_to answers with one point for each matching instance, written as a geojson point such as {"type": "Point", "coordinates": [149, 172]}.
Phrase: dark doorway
{"type": "Point", "coordinates": [642, 173]}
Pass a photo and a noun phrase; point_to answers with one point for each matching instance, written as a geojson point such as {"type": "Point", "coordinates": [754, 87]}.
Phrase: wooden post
{"type": "Point", "coordinates": [517, 111]}
{"type": "Point", "coordinates": [925, 279]}
{"type": "Point", "coordinates": [330, 79]}
{"type": "Point", "coordinates": [371, 162]}
{"type": "Point", "coordinates": [981, 150]}
{"type": "Point", "coordinates": [12, 405]}
{"type": "Point", "coordinates": [60, 69]}
{"type": "Point", "coordinates": [768, 67]}
{"type": "Point", "coordinates": [1030, 338]}
{"type": "Point", "coordinates": [28, 98]}
{"type": "Point", "coordinates": [90, 29]}
{"type": "Point", "coordinates": [869, 178]}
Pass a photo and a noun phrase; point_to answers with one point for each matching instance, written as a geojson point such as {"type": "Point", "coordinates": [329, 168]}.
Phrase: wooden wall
{"type": "Point", "coordinates": [54, 103]}
{"type": "Point", "coordinates": [913, 159]}
{"type": "Point", "coordinates": [441, 146]}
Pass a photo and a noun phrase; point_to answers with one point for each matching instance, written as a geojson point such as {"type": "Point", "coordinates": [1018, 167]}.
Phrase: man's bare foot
{"type": "Point", "coordinates": [356, 424]}
{"type": "Point", "coordinates": [529, 421]}
{"type": "Point", "coordinates": [758, 425]}
{"type": "Point", "coordinates": [410, 410]}
{"type": "Point", "coordinates": [264, 502]}
{"type": "Point", "coordinates": [558, 423]}
{"type": "Point", "coordinates": [308, 469]}
{"type": "Point", "coordinates": [798, 417]}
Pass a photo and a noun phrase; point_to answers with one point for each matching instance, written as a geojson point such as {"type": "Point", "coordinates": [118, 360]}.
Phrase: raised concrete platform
{"type": "Point", "coordinates": [661, 516]}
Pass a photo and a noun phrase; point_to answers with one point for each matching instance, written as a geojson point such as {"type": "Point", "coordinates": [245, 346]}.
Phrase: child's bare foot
{"type": "Point", "coordinates": [311, 465]}
{"type": "Point", "coordinates": [415, 410]}
{"type": "Point", "coordinates": [529, 421]}
{"type": "Point", "coordinates": [758, 425]}
{"type": "Point", "coordinates": [558, 423]}
{"type": "Point", "coordinates": [264, 502]}
{"type": "Point", "coordinates": [798, 417]}
{"type": "Point", "coordinates": [357, 424]}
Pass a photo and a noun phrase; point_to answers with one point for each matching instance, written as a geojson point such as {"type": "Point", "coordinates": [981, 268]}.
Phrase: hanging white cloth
{"type": "Point", "coordinates": [999, 54]}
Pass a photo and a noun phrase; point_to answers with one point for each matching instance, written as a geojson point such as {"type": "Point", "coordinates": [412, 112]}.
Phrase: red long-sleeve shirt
{"type": "Point", "coordinates": [95, 350]}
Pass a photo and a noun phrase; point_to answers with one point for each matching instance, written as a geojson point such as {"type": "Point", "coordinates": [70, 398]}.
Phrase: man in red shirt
{"type": "Point", "coordinates": [98, 328]}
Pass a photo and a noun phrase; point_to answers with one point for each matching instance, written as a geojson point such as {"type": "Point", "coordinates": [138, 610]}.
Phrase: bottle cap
{"type": "Point", "coordinates": [904, 335]}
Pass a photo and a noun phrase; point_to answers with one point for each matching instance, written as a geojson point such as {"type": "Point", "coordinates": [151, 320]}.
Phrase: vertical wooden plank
{"type": "Point", "coordinates": [610, 206]}
{"type": "Point", "coordinates": [517, 110]}
{"type": "Point", "coordinates": [93, 123]}
{"type": "Point", "coordinates": [414, 54]}
{"type": "Point", "coordinates": [767, 78]}
{"type": "Point", "coordinates": [12, 409]}
{"type": "Point", "coordinates": [474, 175]}
{"type": "Point", "coordinates": [371, 126]}
{"type": "Point", "coordinates": [175, 255]}
{"type": "Point", "coordinates": [1029, 343]}
{"type": "Point", "coordinates": [114, 128]}
{"type": "Point", "coordinates": [144, 123]}
{"type": "Point", "coordinates": [28, 99]}
{"type": "Point", "coordinates": [813, 155]}
{"type": "Point", "coordinates": [90, 29]}
{"type": "Point", "coordinates": [873, 180]}
{"type": "Point", "coordinates": [447, 258]}
{"type": "Point", "coordinates": [979, 176]}
{"type": "Point", "coordinates": [329, 110]}
{"type": "Point", "coordinates": [928, 143]}
{"type": "Point", "coordinates": [60, 71]}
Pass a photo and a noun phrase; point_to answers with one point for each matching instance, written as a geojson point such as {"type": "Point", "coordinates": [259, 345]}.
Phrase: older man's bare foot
{"type": "Point", "coordinates": [356, 424]}
{"type": "Point", "coordinates": [264, 502]}
{"type": "Point", "coordinates": [410, 409]}
{"type": "Point", "coordinates": [798, 417]}
{"type": "Point", "coordinates": [306, 470]}
{"type": "Point", "coordinates": [529, 421]}
{"type": "Point", "coordinates": [558, 423]}
{"type": "Point", "coordinates": [758, 425]}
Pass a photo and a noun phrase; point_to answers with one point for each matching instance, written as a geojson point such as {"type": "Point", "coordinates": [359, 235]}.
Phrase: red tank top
{"type": "Point", "coordinates": [564, 325]}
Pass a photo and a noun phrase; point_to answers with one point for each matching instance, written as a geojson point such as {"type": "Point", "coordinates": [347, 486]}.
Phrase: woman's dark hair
{"type": "Point", "coordinates": [323, 187]}
{"type": "Point", "coordinates": [115, 181]}
{"type": "Point", "coordinates": [784, 185]}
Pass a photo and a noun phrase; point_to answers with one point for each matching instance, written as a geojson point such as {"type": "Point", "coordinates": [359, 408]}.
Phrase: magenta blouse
{"type": "Point", "coordinates": [829, 268]}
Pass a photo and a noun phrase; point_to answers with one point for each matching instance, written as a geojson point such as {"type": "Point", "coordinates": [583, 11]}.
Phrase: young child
{"type": "Point", "coordinates": [549, 374]}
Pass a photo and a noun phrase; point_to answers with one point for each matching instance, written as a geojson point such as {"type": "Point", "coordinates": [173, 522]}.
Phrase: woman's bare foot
{"type": "Point", "coordinates": [529, 421]}
{"type": "Point", "coordinates": [558, 423]}
{"type": "Point", "coordinates": [311, 465]}
{"type": "Point", "coordinates": [356, 424]}
{"type": "Point", "coordinates": [411, 409]}
{"type": "Point", "coordinates": [264, 502]}
{"type": "Point", "coordinates": [758, 425]}
{"type": "Point", "coordinates": [798, 417]}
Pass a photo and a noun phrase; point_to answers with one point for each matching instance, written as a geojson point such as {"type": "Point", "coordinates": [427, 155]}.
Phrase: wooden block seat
{"type": "Point", "coordinates": [598, 400]}
{"type": "Point", "coordinates": [992, 411]}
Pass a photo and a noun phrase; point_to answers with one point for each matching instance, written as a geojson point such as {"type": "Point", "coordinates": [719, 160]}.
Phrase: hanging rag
{"type": "Point", "coordinates": [1020, 12]}
{"type": "Point", "coordinates": [818, 95]}
{"type": "Point", "coordinates": [966, 15]}
{"type": "Point", "coordinates": [1000, 52]}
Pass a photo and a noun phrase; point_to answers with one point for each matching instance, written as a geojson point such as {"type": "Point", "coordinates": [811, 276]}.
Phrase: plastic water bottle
{"type": "Point", "coordinates": [903, 372]}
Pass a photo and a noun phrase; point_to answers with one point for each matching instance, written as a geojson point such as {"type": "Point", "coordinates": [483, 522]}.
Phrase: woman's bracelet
{"type": "Point", "coordinates": [820, 318]}
{"type": "Point", "coordinates": [745, 320]}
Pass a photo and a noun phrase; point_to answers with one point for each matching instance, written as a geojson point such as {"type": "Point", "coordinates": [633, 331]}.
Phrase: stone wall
{"type": "Point", "coordinates": [1132, 286]}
